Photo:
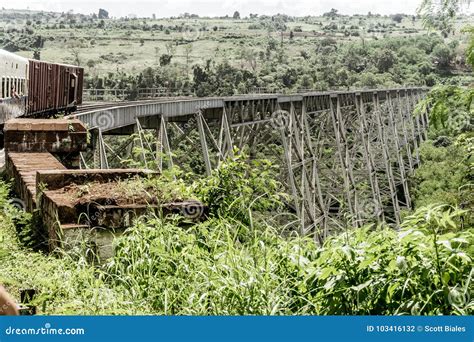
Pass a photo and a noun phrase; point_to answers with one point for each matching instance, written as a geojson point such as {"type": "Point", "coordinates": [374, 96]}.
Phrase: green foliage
{"type": "Point", "coordinates": [4, 192]}
{"type": "Point", "coordinates": [446, 173]}
{"type": "Point", "coordinates": [443, 55]}
{"type": "Point", "coordinates": [470, 48]}
{"type": "Point", "coordinates": [414, 271]}
{"type": "Point", "coordinates": [221, 267]}
{"type": "Point", "coordinates": [237, 187]}
{"type": "Point", "coordinates": [441, 176]}
{"type": "Point", "coordinates": [328, 64]}
{"type": "Point", "coordinates": [218, 267]}
{"type": "Point", "coordinates": [386, 60]}
{"type": "Point", "coordinates": [450, 109]}
{"type": "Point", "coordinates": [29, 231]}
{"type": "Point", "coordinates": [440, 14]}
{"type": "Point", "coordinates": [226, 266]}
{"type": "Point", "coordinates": [65, 286]}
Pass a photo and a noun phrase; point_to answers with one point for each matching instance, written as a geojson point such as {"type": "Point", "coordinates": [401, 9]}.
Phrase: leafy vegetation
{"type": "Point", "coordinates": [444, 175]}
{"type": "Point", "coordinates": [225, 266]}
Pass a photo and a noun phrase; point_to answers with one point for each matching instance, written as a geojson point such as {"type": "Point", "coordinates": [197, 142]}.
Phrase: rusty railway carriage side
{"type": "Point", "coordinates": [54, 87]}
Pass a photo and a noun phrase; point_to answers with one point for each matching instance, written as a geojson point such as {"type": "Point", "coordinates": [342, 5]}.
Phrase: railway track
{"type": "Point", "coordinates": [92, 106]}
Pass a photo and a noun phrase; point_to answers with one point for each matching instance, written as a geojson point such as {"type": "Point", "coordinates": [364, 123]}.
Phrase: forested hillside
{"type": "Point", "coordinates": [223, 56]}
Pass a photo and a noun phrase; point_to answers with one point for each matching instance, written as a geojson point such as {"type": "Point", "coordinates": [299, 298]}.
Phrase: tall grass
{"type": "Point", "coordinates": [236, 263]}
{"type": "Point", "coordinates": [221, 267]}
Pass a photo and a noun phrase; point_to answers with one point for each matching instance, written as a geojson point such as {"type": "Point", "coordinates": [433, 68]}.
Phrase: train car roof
{"type": "Point", "coordinates": [62, 64]}
{"type": "Point", "coordinates": [12, 56]}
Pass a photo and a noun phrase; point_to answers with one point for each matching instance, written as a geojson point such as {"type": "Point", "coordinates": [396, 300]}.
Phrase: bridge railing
{"type": "Point", "coordinates": [111, 95]}
{"type": "Point", "coordinates": [93, 94]}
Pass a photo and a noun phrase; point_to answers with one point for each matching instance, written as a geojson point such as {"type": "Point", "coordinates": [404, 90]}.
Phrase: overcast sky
{"type": "Point", "coordinates": [167, 8]}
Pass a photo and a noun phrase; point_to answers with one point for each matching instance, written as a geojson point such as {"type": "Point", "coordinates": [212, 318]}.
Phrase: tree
{"type": "Point", "coordinates": [170, 48]}
{"type": "Point", "coordinates": [443, 56]}
{"type": "Point", "coordinates": [397, 18]}
{"type": "Point", "coordinates": [355, 58]}
{"type": "Point", "coordinates": [90, 63]}
{"type": "Point", "coordinates": [165, 59]}
{"type": "Point", "coordinates": [439, 14]}
{"type": "Point", "coordinates": [333, 13]}
{"type": "Point", "coordinates": [236, 15]}
{"type": "Point", "coordinates": [103, 14]}
{"type": "Point", "coordinates": [470, 48]}
{"type": "Point", "coordinates": [386, 59]}
{"type": "Point", "coordinates": [37, 54]}
{"type": "Point", "coordinates": [188, 48]}
{"type": "Point", "coordinates": [76, 54]}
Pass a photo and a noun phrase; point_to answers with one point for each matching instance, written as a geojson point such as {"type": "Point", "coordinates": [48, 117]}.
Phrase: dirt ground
{"type": "Point", "coordinates": [112, 193]}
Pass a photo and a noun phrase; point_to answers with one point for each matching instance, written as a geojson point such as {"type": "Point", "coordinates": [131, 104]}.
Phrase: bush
{"type": "Point", "coordinates": [223, 268]}
{"type": "Point", "coordinates": [226, 266]}
{"type": "Point", "coordinates": [440, 176]}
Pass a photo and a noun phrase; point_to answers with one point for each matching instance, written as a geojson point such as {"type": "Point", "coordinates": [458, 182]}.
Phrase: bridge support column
{"type": "Point", "coordinates": [344, 158]}
{"type": "Point", "coordinates": [406, 142]}
{"type": "Point", "coordinates": [382, 137]}
{"type": "Point", "coordinates": [315, 182]}
{"type": "Point", "coordinates": [142, 140]}
{"type": "Point", "coordinates": [401, 164]}
{"type": "Point", "coordinates": [287, 147]}
{"type": "Point", "coordinates": [226, 144]}
{"type": "Point", "coordinates": [423, 117]}
{"type": "Point", "coordinates": [412, 120]}
{"type": "Point", "coordinates": [163, 144]}
{"type": "Point", "coordinates": [82, 163]}
{"type": "Point", "coordinates": [99, 151]}
{"type": "Point", "coordinates": [303, 175]}
{"type": "Point", "coordinates": [369, 159]}
{"type": "Point", "coordinates": [204, 147]}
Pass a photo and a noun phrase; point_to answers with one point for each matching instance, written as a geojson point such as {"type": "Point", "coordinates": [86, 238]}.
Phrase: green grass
{"type": "Point", "coordinates": [241, 265]}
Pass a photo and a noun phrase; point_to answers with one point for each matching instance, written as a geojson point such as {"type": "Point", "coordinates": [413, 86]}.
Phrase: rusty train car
{"type": "Point", "coordinates": [53, 87]}
{"type": "Point", "coordinates": [36, 88]}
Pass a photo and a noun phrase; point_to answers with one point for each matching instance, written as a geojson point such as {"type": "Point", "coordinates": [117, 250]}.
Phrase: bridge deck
{"type": "Point", "coordinates": [121, 115]}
